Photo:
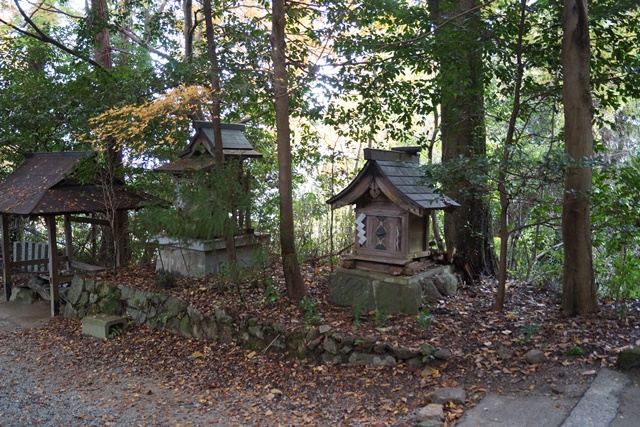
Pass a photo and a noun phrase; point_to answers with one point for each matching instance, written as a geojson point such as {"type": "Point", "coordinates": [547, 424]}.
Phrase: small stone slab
{"type": "Point", "coordinates": [101, 325]}
{"type": "Point", "coordinates": [535, 356]}
{"type": "Point", "coordinates": [445, 395]}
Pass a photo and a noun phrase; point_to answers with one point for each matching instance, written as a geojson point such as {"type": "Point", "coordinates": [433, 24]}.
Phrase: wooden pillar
{"type": "Point", "coordinates": [54, 264]}
{"type": "Point", "coordinates": [6, 257]}
{"type": "Point", "coordinates": [68, 240]}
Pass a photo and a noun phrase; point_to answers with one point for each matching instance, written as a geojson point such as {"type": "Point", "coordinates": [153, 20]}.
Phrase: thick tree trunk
{"type": "Point", "coordinates": [468, 229]}
{"type": "Point", "coordinates": [579, 291]}
{"type": "Point", "coordinates": [295, 285]}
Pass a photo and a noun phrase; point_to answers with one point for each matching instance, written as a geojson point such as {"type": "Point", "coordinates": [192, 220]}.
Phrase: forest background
{"type": "Point", "coordinates": [478, 85]}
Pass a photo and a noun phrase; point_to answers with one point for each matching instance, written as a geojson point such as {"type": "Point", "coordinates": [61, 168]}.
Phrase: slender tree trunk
{"type": "Point", "coordinates": [230, 228]}
{"type": "Point", "coordinates": [295, 285]}
{"type": "Point", "coordinates": [579, 291]}
{"type": "Point", "coordinates": [118, 236]}
{"type": "Point", "coordinates": [187, 6]}
{"type": "Point", "coordinates": [505, 197]}
{"type": "Point", "coordinates": [468, 229]}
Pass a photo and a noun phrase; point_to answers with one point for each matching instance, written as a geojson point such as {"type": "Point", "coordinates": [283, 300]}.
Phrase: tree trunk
{"type": "Point", "coordinates": [505, 197]}
{"type": "Point", "coordinates": [295, 285]}
{"type": "Point", "coordinates": [579, 291]}
{"type": "Point", "coordinates": [468, 229]}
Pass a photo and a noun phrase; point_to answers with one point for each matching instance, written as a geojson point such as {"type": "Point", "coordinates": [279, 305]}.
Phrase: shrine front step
{"type": "Point", "coordinates": [103, 325]}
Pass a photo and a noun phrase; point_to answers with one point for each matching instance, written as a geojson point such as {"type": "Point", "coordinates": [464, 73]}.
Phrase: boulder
{"type": "Point", "coordinates": [23, 295]}
{"type": "Point", "coordinates": [445, 395]}
{"type": "Point", "coordinates": [446, 283]}
{"type": "Point", "coordinates": [629, 359]}
{"type": "Point", "coordinates": [432, 411]}
{"type": "Point", "coordinates": [535, 356]}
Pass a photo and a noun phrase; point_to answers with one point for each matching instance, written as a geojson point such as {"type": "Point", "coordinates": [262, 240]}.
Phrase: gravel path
{"type": "Point", "coordinates": [53, 390]}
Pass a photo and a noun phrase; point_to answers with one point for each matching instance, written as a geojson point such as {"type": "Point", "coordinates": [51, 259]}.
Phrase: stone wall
{"type": "Point", "coordinates": [88, 297]}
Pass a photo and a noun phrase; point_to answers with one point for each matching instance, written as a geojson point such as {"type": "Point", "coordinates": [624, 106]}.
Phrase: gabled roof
{"type": "Point", "coordinates": [45, 185]}
{"type": "Point", "coordinates": [234, 144]}
{"type": "Point", "coordinates": [403, 182]}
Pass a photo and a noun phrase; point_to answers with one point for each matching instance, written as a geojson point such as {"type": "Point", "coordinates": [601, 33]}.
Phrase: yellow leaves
{"type": "Point", "coordinates": [197, 355]}
{"type": "Point", "coordinates": [134, 125]}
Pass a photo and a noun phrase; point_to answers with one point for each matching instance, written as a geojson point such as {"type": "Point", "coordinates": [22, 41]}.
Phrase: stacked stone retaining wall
{"type": "Point", "coordinates": [88, 297]}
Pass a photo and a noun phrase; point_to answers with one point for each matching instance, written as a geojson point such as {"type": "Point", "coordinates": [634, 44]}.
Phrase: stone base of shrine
{"type": "Point", "coordinates": [372, 291]}
{"type": "Point", "coordinates": [198, 258]}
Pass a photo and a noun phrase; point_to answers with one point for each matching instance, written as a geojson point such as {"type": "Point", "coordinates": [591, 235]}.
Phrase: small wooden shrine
{"type": "Point", "coordinates": [393, 203]}
{"type": "Point", "coordinates": [48, 185]}
{"type": "Point", "coordinates": [199, 257]}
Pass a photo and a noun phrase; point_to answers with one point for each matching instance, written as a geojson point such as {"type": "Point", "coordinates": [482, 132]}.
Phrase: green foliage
{"type": "Point", "coordinates": [576, 351]}
{"type": "Point", "coordinates": [310, 311]}
{"type": "Point", "coordinates": [423, 319]}
{"type": "Point", "coordinates": [271, 294]}
{"type": "Point", "coordinates": [115, 331]}
{"type": "Point", "coordinates": [380, 318]}
{"type": "Point", "coordinates": [358, 311]}
{"type": "Point", "coordinates": [529, 331]}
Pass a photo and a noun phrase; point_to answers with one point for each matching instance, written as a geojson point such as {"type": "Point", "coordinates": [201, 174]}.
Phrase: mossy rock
{"type": "Point", "coordinates": [629, 359]}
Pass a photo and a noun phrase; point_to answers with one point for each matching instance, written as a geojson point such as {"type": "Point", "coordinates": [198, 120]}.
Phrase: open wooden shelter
{"type": "Point", "coordinates": [47, 185]}
{"type": "Point", "coordinates": [393, 203]}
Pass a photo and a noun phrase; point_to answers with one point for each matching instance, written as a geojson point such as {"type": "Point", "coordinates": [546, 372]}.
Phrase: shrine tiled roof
{"type": "Point", "coordinates": [400, 178]}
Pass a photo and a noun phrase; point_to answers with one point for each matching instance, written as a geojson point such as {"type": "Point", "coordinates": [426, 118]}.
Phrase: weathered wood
{"type": "Point", "coordinates": [6, 258]}
{"type": "Point", "coordinates": [54, 264]}
{"type": "Point", "coordinates": [68, 240]}
{"type": "Point", "coordinates": [88, 220]}
{"type": "Point", "coordinates": [86, 267]}
{"type": "Point", "coordinates": [415, 267]}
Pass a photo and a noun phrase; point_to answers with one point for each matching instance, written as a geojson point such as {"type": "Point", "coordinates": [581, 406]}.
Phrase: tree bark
{"type": "Point", "coordinates": [579, 291]}
{"type": "Point", "coordinates": [505, 197]}
{"type": "Point", "coordinates": [468, 229]}
{"type": "Point", "coordinates": [295, 285]}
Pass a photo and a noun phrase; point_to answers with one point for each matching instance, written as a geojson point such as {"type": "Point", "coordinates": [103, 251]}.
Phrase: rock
{"type": "Point", "coordinates": [70, 312]}
{"type": "Point", "coordinates": [39, 286]}
{"type": "Point", "coordinates": [405, 353]}
{"type": "Point", "coordinates": [77, 284]}
{"type": "Point", "coordinates": [256, 331]}
{"type": "Point", "coordinates": [446, 283]}
{"type": "Point", "coordinates": [429, 423]}
{"type": "Point", "coordinates": [312, 335]}
{"type": "Point", "coordinates": [442, 354]}
{"type": "Point", "coordinates": [627, 359]}
{"type": "Point", "coordinates": [504, 353]}
{"type": "Point", "coordinates": [445, 395]}
{"type": "Point", "coordinates": [384, 360]}
{"type": "Point", "coordinates": [323, 329]}
{"type": "Point", "coordinates": [361, 358]}
{"type": "Point", "coordinates": [429, 291]}
{"type": "Point", "coordinates": [330, 345]}
{"type": "Point", "coordinates": [431, 412]}
{"type": "Point", "coordinates": [535, 356]}
{"type": "Point", "coordinates": [23, 295]}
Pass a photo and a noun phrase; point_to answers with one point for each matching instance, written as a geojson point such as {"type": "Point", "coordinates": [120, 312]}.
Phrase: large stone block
{"type": "Point", "coordinates": [102, 325]}
{"type": "Point", "coordinates": [352, 288]}
{"type": "Point", "coordinates": [385, 293]}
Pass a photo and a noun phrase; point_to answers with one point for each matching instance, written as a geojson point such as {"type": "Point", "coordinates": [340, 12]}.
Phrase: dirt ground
{"type": "Point", "coordinates": [191, 382]}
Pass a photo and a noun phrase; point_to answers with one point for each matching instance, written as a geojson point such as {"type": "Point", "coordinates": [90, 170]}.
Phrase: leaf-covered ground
{"type": "Point", "coordinates": [257, 388]}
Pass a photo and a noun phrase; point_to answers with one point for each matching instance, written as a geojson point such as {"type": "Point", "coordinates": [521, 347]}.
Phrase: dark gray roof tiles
{"type": "Point", "coordinates": [407, 182]}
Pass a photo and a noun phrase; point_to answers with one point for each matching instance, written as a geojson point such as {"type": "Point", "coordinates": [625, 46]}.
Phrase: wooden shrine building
{"type": "Point", "coordinates": [199, 257]}
{"type": "Point", "coordinates": [393, 203]}
{"type": "Point", "coordinates": [48, 185]}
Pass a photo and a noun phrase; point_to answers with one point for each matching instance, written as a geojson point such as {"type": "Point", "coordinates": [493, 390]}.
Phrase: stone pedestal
{"type": "Point", "coordinates": [198, 258]}
{"type": "Point", "coordinates": [391, 294]}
